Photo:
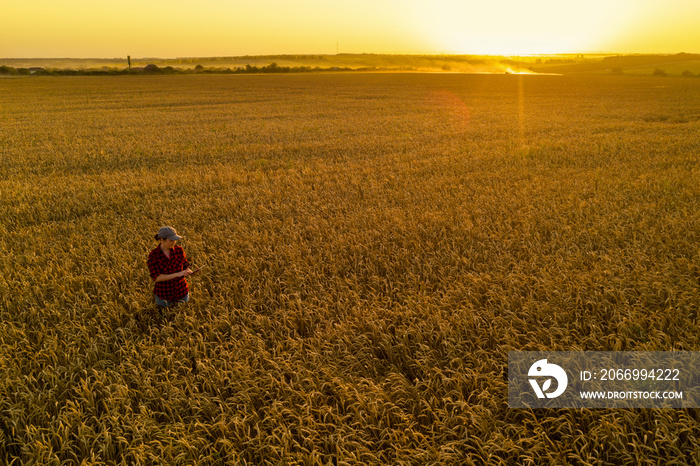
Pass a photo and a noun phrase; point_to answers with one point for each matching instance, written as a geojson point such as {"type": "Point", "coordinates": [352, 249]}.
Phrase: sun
{"type": "Point", "coordinates": [510, 28]}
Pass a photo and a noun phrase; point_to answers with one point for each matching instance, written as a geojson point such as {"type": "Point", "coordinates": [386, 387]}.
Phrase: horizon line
{"type": "Point", "coordinates": [406, 54]}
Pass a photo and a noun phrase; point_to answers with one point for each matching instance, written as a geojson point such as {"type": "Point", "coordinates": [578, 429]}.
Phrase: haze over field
{"type": "Point", "coordinates": [80, 28]}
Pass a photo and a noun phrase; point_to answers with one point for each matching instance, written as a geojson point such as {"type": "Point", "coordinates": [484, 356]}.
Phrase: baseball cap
{"type": "Point", "coordinates": [168, 233]}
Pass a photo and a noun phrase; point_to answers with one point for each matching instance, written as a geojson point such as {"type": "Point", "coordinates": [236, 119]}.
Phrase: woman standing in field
{"type": "Point", "coordinates": [168, 267]}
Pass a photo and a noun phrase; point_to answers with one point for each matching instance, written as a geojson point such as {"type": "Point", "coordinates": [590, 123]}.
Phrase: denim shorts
{"type": "Point", "coordinates": [164, 303]}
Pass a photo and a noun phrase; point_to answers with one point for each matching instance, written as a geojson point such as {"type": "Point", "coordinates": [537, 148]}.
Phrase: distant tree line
{"type": "Point", "coordinates": [154, 69]}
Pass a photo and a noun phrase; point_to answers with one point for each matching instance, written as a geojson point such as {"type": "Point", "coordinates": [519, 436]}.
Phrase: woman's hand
{"type": "Point", "coordinates": [182, 273]}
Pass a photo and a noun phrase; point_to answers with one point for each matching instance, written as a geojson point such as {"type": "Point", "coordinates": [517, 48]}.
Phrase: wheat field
{"type": "Point", "coordinates": [375, 245]}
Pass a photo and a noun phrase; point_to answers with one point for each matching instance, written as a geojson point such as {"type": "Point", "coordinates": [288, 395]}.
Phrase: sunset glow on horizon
{"type": "Point", "coordinates": [208, 28]}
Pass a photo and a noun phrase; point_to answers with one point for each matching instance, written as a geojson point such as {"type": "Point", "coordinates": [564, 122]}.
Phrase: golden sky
{"type": "Point", "coordinates": [187, 28]}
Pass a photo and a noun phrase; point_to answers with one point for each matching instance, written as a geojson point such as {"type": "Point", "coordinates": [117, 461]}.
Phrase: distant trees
{"type": "Point", "coordinates": [7, 70]}
{"type": "Point", "coordinates": [152, 69]}
{"type": "Point", "coordinates": [649, 65]}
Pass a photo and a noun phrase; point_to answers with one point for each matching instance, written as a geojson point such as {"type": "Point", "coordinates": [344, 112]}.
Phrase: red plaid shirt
{"type": "Point", "coordinates": [159, 263]}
